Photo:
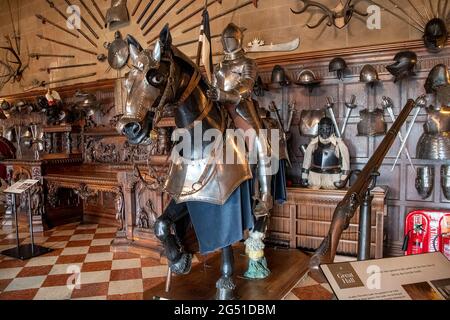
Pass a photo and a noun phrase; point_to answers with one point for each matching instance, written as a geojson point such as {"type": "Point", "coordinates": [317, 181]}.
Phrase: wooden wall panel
{"type": "Point", "coordinates": [402, 197]}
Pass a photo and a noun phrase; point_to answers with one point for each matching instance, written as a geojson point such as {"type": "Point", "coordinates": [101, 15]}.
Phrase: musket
{"type": "Point", "coordinates": [220, 15]}
{"type": "Point", "coordinates": [84, 22]}
{"type": "Point", "coordinates": [136, 7]}
{"type": "Point", "coordinates": [68, 66]}
{"type": "Point", "coordinates": [99, 11]}
{"type": "Point", "coordinates": [44, 55]}
{"type": "Point", "coordinates": [188, 17]}
{"type": "Point", "coordinates": [161, 17]}
{"type": "Point", "coordinates": [40, 36]}
{"type": "Point", "coordinates": [52, 5]}
{"type": "Point", "coordinates": [187, 5]}
{"type": "Point", "coordinates": [347, 208]}
{"type": "Point", "coordinates": [91, 14]}
{"type": "Point", "coordinates": [152, 14]}
{"type": "Point", "coordinates": [144, 12]}
{"type": "Point", "coordinates": [45, 20]}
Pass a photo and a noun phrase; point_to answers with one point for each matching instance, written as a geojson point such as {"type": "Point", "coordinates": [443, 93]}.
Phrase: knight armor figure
{"type": "Point", "coordinates": [232, 85]}
{"type": "Point", "coordinates": [327, 160]}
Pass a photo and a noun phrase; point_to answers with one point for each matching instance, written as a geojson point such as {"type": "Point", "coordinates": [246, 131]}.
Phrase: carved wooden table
{"type": "Point", "coordinates": [304, 220]}
{"type": "Point", "coordinates": [33, 169]}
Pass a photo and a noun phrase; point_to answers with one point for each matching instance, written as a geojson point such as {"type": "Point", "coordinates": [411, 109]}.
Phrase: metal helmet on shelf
{"type": "Point", "coordinates": [339, 66]}
{"type": "Point", "coordinates": [307, 78]}
{"type": "Point", "coordinates": [405, 61]}
{"type": "Point", "coordinates": [435, 35]}
{"type": "Point", "coordinates": [368, 74]}
{"type": "Point", "coordinates": [117, 15]}
{"type": "Point", "coordinates": [438, 76]}
{"type": "Point", "coordinates": [279, 76]}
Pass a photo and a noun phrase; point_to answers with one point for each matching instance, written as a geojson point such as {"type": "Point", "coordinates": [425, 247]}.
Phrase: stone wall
{"type": "Point", "coordinates": [272, 21]}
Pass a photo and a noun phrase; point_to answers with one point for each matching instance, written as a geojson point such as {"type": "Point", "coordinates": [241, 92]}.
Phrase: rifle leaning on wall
{"type": "Point", "coordinates": [346, 209]}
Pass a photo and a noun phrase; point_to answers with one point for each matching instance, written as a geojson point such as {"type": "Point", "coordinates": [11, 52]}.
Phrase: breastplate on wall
{"type": "Point", "coordinates": [372, 123]}
{"type": "Point", "coordinates": [434, 144]}
{"type": "Point", "coordinates": [309, 122]}
{"type": "Point", "coordinates": [437, 122]}
{"type": "Point", "coordinates": [324, 159]}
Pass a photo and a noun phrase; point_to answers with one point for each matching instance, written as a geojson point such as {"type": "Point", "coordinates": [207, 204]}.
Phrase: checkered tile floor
{"type": "Point", "coordinates": [82, 252]}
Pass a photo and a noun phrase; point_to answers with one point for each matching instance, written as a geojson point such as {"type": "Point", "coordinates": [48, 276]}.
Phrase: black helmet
{"type": "Point", "coordinates": [279, 76]}
{"type": "Point", "coordinates": [326, 127]}
{"type": "Point", "coordinates": [438, 76]}
{"type": "Point", "coordinates": [339, 66]}
{"type": "Point", "coordinates": [435, 35]}
{"type": "Point", "coordinates": [404, 65]}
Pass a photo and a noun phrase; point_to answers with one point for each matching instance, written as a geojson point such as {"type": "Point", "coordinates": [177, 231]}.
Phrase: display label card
{"type": "Point", "coordinates": [21, 186]}
{"type": "Point", "coordinates": [416, 277]}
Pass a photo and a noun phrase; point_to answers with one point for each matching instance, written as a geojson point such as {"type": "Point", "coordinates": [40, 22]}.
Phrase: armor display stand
{"type": "Point", "coordinates": [365, 224]}
{"type": "Point", "coordinates": [30, 250]}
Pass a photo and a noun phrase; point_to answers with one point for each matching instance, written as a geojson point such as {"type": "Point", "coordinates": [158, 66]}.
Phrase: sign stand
{"type": "Point", "coordinates": [30, 250]}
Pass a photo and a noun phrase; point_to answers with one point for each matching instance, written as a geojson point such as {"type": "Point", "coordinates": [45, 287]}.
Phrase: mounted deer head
{"type": "Point", "coordinates": [339, 16]}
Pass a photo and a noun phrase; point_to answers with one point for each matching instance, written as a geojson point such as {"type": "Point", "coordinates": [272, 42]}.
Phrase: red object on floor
{"type": "Point", "coordinates": [427, 231]}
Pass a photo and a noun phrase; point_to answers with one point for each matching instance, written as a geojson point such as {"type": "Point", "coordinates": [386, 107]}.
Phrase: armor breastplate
{"type": "Point", "coordinates": [324, 159]}
{"type": "Point", "coordinates": [229, 73]}
{"type": "Point", "coordinates": [437, 122]}
{"type": "Point", "coordinates": [372, 123]}
{"type": "Point", "coordinates": [309, 122]}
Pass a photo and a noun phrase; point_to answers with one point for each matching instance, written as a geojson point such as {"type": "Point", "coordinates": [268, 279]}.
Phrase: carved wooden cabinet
{"type": "Point", "coordinates": [304, 220]}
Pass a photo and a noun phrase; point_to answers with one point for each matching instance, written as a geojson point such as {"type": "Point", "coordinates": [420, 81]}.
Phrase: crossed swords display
{"type": "Point", "coordinates": [387, 105]}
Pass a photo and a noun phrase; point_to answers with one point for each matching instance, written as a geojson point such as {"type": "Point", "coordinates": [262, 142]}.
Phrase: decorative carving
{"type": "Point", "coordinates": [146, 214]}
{"type": "Point", "coordinates": [52, 195]}
{"type": "Point", "coordinates": [120, 208]}
{"type": "Point", "coordinates": [84, 192]}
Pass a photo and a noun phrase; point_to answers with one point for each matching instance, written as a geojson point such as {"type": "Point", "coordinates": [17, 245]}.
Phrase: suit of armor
{"type": "Point", "coordinates": [232, 86]}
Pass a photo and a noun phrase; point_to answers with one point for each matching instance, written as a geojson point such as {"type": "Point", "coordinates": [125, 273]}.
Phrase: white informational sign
{"type": "Point", "coordinates": [21, 186]}
{"type": "Point", "coordinates": [416, 277]}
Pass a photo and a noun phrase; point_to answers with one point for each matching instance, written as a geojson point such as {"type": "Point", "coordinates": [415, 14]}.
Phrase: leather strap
{"type": "Point", "coordinates": [193, 82]}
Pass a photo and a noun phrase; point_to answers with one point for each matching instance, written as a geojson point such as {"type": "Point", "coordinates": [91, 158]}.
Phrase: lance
{"type": "Point", "coordinates": [136, 7]}
{"type": "Point", "coordinates": [99, 11]}
{"type": "Point", "coordinates": [52, 5]}
{"type": "Point", "coordinates": [152, 14]}
{"type": "Point", "coordinates": [44, 55]}
{"type": "Point", "coordinates": [91, 14]}
{"type": "Point", "coordinates": [68, 66]}
{"type": "Point", "coordinates": [187, 5]}
{"type": "Point", "coordinates": [420, 29]}
{"type": "Point", "coordinates": [188, 17]}
{"type": "Point", "coordinates": [161, 17]}
{"type": "Point", "coordinates": [65, 44]}
{"type": "Point", "coordinates": [144, 12]}
{"type": "Point", "coordinates": [84, 22]}
{"type": "Point", "coordinates": [220, 15]}
{"type": "Point", "coordinates": [46, 83]}
{"type": "Point", "coordinates": [196, 40]}
{"type": "Point", "coordinates": [45, 20]}
{"type": "Point", "coordinates": [445, 8]}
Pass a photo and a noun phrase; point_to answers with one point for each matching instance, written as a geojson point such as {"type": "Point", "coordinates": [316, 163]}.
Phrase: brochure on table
{"type": "Point", "coordinates": [416, 277]}
{"type": "Point", "coordinates": [21, 186]}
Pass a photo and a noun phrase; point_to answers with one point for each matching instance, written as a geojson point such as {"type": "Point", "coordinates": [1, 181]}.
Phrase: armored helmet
{"type": "Point", "coordinates": [307, 77]}
{"type": "Point", "coordinates": [232, 38]}
{"type": "Point", "coordinates": [117, 15]}
{"type": "Point", "coordinates": [326, 128]}
{"type": "Point", "coordinates": [5, 105]}
{"type": "Point", "coordinates": [339, 66]}
{"type": "Point", "coordinates": [279, 75]}
{"type": "Point", "coordinates": [404, 65]}
{"type": "Point", "coordinates": [435, 35]}
{"type": "Point", "coordinates": [438, 76]}
{"type": "Point", "coordinates": [368, 74]}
